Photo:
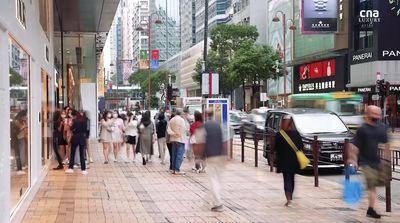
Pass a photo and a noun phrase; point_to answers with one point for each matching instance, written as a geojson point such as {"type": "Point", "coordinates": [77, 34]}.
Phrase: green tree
{"type": "Point", "coordinates": [157, 80]}
{"type": "Point", "coordinates": [15, 77]}
{"type": "Point", "coordinates": [226, 39]}
{"type": "Point", "coordinates": [252, 64]}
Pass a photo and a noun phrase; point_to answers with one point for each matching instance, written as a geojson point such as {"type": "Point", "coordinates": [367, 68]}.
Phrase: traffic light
{"type": "Point", "coordinates": [383, 87]}
{"type": "Point", "coordinates": [386, 88]}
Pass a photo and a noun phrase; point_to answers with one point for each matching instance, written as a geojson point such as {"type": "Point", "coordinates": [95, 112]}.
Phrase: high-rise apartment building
{"type": "Point", "coordinates": [165, 37]}
{"type": "Point", "coordinates": [218, 13]}
{"type": "Point", "coordinates": [188, 24]}
{"type": "Point", "coordinates": [140, 38]}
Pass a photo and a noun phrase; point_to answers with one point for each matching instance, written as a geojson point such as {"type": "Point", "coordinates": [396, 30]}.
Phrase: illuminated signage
{"type": "Point", "coordinates": [319, 15]}
{"type": "Point", "coordinates": [319, 69]}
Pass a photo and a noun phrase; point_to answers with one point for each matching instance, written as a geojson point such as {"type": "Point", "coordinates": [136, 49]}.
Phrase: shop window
{"type": "Point", "coordinates": [21, 12]}
{"type": "Point", "coordinates": [44, 16]}
{"type": "Point", "coordinates": [19, 121]}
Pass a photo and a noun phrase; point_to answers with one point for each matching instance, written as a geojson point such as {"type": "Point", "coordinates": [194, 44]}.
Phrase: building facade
{"type": "Point", "coordinates": [140, 38]}
{"type": "Point", "coordinates": [188, 24]}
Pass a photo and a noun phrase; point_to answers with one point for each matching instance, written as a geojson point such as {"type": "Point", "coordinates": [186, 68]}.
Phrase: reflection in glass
{"type": "Point", "coordinates": [19, 120]}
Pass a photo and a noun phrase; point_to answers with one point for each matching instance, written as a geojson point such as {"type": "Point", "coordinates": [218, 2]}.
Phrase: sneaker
{"type": "Point", "coordinates": [76, 166]}
{"type": "Point", "coordinates": [84, 172]}
{"type": "Point", "coordinates": [59, 167]}
{"type": "Point", "coordinates": [105, 162]}
{"type": "Point", "coordinates": [91, 160]}
{"type": "Point", "coordinates": [371, 213]}
{"type": "Point", "coordinates": [179, 173]}
{"type": "Point", "coordinates": [69, 171]}
{"type": "Point", "coordinates": [218, 208]}
{"type": "Point", "coordinates": [162, 163]}
{"type": "Point", "coordinates": [21, 172]}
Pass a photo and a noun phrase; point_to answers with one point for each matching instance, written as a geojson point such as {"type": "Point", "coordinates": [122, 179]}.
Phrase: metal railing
{"type": "Point", "coordinates": [316, 155]}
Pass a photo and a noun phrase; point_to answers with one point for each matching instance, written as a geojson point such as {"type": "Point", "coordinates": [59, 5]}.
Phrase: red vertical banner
{"type": "Point", "coordinates": [155, 54]}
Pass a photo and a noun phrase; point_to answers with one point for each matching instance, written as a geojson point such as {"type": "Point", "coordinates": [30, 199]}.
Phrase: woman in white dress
{"type": "Point", "coordinates": [105, 135]}
{"type": "Point", "coordinates": [117, 134]}
{"type": "Point", "coordinates": [131, 136]}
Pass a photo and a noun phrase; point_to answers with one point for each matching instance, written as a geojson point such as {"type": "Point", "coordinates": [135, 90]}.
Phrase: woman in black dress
{"type": "Point", "coordinates": [287, 163]}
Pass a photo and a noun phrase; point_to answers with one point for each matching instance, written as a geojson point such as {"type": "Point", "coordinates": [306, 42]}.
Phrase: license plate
{"type": "Point", "coordinates": [336, 157]}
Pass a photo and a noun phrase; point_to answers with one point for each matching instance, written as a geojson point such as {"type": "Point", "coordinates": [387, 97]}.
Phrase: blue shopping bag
{"type": "Point", "coordinates": [352, 188]}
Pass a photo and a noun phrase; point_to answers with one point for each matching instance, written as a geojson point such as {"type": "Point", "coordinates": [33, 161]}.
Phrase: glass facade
{"type": "Point", "coordinates": [19, 72]}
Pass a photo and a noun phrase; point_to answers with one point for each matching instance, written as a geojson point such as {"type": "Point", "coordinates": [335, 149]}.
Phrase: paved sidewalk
{"type": "Point", "coordinates": [135, 193]}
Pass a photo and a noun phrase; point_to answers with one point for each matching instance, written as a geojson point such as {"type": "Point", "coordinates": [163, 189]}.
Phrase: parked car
{"type": "Point", "coordinates": [235, 121]}
{"type": "Point", "coordinates": [329, 128]}
{"type": "Point", "coordinates": [254, 123]}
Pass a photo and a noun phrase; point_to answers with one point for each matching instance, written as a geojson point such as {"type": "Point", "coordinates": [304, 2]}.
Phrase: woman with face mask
{"type": "Point", "coordinates": [131, 134]}
{"type": "Point", "coordinates": [105, 134]}
{"type": "Point", "coordinates": [117, 134]}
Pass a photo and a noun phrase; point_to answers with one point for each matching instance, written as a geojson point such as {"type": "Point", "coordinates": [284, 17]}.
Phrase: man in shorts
{"type": "Point", "coordinates": [367, 139]}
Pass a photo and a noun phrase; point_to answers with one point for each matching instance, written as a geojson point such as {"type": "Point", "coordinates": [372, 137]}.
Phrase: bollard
{"type": "Point", "coordinates": [388, 195]}
{"type": "Point", "coordinates": [242, 140]}
{"type": "Point", "coordinates": [255, 137]}
{"type": "Point", "coordinates": [315, 147]}
{"type": "Point", "coordinates": [345, 154]}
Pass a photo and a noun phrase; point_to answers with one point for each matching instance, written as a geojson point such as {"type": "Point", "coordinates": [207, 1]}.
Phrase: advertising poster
{"type": "Point", "coordinates": [389, 32]}
{"type": "Point", "coordinates": [319, 16]}
{"type": "Point", "coordinates": [220, 106]}
{"type": "Point", "coordinates": [319, 69]}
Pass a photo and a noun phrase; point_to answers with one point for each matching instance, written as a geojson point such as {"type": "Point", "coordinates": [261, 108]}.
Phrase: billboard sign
{"type": "Point", "coordinates": [320, 76]}
{"type": "Point", "coordinates": [205, 84]}
{"type": "Point", "coordinates": [155, 54]}
{"type": "Point", "coordinates": [319, 16]}
{"type": "Point", "coordinates": [389, 33]}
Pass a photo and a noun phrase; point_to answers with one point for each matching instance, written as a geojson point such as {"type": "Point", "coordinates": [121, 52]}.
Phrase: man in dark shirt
{"type": "Point", "coordinates": [367, 139]}
{"type": "Point", "coordinates": [211, 136]}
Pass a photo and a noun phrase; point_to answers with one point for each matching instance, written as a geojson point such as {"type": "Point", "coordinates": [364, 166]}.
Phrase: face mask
{"type": "Point", "coordinates": [374, 120]}
{"type": "Point", "coordinates": [109, 116]}
{"type": "Point", "coordinates": [115, 115]}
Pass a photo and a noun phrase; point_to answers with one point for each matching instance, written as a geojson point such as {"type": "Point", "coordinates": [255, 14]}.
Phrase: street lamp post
{"type": "Point", "coordinates": [157, 21]}
{"type": "Point", "coordinates": [291, 27]}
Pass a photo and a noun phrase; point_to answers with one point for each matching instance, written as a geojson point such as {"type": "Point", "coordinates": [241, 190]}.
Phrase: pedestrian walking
{"type": "Point", "coordinates": [169, 145]}
{"type": "Point", "coordinates": [57, 139]}
{"type": "Point", "coordinates": [161, 129]}
{"type": "Point", "coordinates": [199, 159]}
{"type": "Point", "coordinates": [367, 139]}
{"type": "Point", "coordinates": [78, 139]}
{"type": "Point", "coordinates": [287, 162]}
{"type": "Point", "coordinates": [117, 132]}
{"type": "Point", "coordinates": [105, 135]}
{"type": "Point", "coordinates": [146, 138]}
{"type": "Point", "coordinates": [178, 133]}
{"type": "Point", "coordinates": [88, 153]}
{"type": "Point", "coordinates": [212, 141]}
{"type": "Point", "coordinates": [131, 136]}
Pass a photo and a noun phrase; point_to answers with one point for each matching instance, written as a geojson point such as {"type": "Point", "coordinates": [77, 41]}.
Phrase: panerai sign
{"type": "Point", "coordinates": [362, 57]}
{"type": "Point", "coordinates": [390, 53]}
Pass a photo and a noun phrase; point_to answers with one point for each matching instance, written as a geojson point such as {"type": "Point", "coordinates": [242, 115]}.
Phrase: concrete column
{"type": "Point", "coordinates": [5, 200]}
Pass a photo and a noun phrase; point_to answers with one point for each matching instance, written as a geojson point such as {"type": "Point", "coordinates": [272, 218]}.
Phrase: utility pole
{"type": "Point", "coordinates": [205, 34]}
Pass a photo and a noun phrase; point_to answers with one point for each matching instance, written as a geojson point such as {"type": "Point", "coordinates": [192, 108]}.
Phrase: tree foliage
{"type": "Point", "coordinates": [229, 41]}
{"type": "Point", "coordinates": [157, 80]}
{"type": "Point", "coordinates": [15, 77]}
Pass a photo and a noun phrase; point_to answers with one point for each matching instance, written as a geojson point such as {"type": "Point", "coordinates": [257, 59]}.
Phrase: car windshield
{"type": "Point", "coordinates": [319, 124]}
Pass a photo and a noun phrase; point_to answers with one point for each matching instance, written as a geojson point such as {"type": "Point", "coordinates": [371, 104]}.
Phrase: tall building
{"type": "Point", "coordinates": [188, 24]}
{"type": "Point", "coordinates": [218, 13]}
{"type": "Point", "coordinates": [140, 38]}
{"type": "Point", "coordinates": [165, 37]}
{"type": "Point", "coordinates": [119, 53]}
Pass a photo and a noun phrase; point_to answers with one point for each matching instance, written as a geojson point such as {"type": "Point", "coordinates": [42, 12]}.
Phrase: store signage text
{"type": "Point", "coordinates": [317, 86]}
{"type": "Point", "coordinates": [320, 24]}
{"type": "Point", "coordinates": [364, 90]}
{"type": "Point", "coordinates": [394, 88]}
{"type": "Point", "coordinates": [390, 53]}
{"type": "Point", "coordinates": [363, 56]}
{"type": "Point", "coordinates": [369, 16]}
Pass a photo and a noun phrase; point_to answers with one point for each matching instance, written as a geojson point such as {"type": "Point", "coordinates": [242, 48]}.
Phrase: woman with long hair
{"type": "Point", "coordinates": [67, 123]}
{"type": "Point", "coordinates": [105, 134]}
{"type": "Point", "coordinates": [287, 162]}
{"type": "Point", "coordinates": [131, 136]}
{"type": "Point", "coordinates": [117, 134]}
{"type": "Point", "coordinates": [146, 132]}
{"type": "Point", "coordinates": [161, 128]}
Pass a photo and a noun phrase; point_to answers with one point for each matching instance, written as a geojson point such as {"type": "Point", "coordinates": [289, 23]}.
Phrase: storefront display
{"type": "Point", "coordinates": [19, 62]}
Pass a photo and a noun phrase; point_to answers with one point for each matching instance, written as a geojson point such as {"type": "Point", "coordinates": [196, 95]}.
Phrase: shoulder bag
{"type": "Point", "coordinates": [303, 160]}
